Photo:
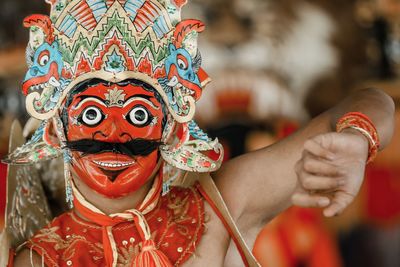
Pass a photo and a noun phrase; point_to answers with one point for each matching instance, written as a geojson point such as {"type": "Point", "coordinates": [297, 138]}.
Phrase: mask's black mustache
{"type": "Point", "coordinates": [136, 147]}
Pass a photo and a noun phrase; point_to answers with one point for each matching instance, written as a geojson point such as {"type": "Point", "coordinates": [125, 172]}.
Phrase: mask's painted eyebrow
{"type": "Point", "coordinates": [86, 98]}
{"type": "Point", "coordinates": [144, 98]}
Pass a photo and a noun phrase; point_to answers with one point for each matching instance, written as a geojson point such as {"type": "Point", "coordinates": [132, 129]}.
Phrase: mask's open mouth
{"type": "Point", "coordinates": [46, 82]}
{"type": "Point", "coordinates": [113, 165]}
{"type": "Point", "coordinates": [112, 168]}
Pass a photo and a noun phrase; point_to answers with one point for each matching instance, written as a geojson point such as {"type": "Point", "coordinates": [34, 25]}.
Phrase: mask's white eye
{"type": "Point", "coordinates": [139, 116]}
{"type": "Point", "coordinates": [43, 60]}
{"type": "Point", "coordinates": [182, 64]}
{"type": "Point", "coordinates": [92, 116]}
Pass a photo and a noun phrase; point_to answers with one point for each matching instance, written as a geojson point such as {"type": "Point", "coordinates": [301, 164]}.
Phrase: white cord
{"type": "Point", "coordinates": [31, 257]}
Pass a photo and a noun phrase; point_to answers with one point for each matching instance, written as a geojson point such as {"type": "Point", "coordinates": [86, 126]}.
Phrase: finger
{"type": "Point", "coordinates": [312, 182]}
{"type": "Point", "coordinates": [298, 167]}
{"type": "Point", "coordinates": [307, 200]}
{"type": "Point", "coordinates": [339, 202]}
{"type": "Point", "coordinates": [316, 149]}
{"type": "Point", "coordinates": [318, 166]}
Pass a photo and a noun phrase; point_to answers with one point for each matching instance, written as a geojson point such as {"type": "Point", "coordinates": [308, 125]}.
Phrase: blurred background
{"type": "Point", "coordinates": [275, 65]}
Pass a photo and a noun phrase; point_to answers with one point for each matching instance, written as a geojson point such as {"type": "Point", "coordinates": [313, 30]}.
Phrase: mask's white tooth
{"type": "Point", "coordinates": [174, 81]}
{"type": "Point", "coordinates": [53, 81]}
{"type": "Point", "coordinates": [114, 165]}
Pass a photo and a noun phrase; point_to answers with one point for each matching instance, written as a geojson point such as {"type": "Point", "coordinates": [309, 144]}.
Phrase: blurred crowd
{"type": "Point", "coordinates": [275, 65]}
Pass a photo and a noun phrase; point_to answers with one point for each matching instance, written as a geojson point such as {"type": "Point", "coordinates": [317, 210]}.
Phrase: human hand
{"type": "Point", "coordinates": [331, 171]}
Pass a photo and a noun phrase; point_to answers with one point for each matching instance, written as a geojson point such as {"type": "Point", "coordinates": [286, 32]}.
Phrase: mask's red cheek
{"type": "Point", "coordinates": [135, 176]}
{"type": "Point", "coordinates": [78, 133]}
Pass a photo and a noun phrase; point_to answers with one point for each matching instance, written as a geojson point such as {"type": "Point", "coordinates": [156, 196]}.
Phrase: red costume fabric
{"type": "Point", "coordinates": [382, 188]}
{"type": "Point", "coordinates": [177, 224]}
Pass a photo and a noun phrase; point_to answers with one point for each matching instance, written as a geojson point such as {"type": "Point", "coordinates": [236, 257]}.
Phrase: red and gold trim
{"type": "Point", "coordinates": [362, 123]}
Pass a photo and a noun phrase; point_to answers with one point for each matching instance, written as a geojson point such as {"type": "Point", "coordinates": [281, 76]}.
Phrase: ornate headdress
{"type": "Point", "coordinates": [115, 40]}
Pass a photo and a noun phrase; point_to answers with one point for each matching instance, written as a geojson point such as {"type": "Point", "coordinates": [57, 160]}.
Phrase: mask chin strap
{"type": "Point", "coordinates": [59, 129]}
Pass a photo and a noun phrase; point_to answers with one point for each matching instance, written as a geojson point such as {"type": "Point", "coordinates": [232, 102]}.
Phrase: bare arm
{"type": "Point", "coordinates": [259, 185]}
{"type": "Point", "coordinates": [26, 258]}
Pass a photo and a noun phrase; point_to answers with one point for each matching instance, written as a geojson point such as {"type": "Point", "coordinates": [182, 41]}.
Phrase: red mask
{"type": "Point", "coordinates": [112, 116]}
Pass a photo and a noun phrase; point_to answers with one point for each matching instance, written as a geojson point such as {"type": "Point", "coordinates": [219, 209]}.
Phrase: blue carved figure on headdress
{"type": "Point", "coordinates": [181, 79]}
{"type": "Point", "coordinates": [180, 63]}
{"type": "Point", "coordinates": [44, 75]}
